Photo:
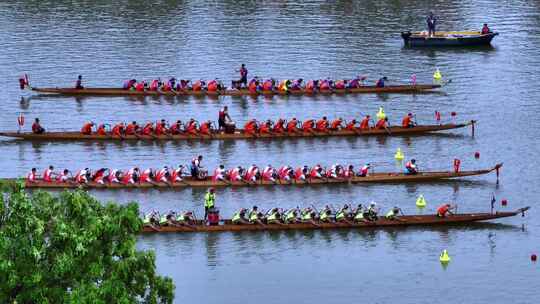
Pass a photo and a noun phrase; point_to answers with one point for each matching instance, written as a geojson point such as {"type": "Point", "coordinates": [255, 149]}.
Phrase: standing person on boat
{"type": "Point", "coordinates": [196, 166]}
{"type": "Point", "coordinates": [209, 201]}
{"type": "Point", "coordinates": [444, 210]}
{"type": "Point", "coordinates": [224, 120]}
{"type": "Point", "coordinates": [411, 168]}
{"type": "Point", "coordinates": [485, 29]}
{"type": "Point", "coordinates": [243, 75]}
{"type": "Point", "coordinates": [408, 121]}
{"type": "Point", "coordinates": [36, 127]}
{"type": "Point", "coordinates": [78, 83]}
{"type": "Point", "coordinates": [431, 23]}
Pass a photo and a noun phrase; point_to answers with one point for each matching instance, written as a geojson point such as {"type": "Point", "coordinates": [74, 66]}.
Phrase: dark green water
{"type": "Point", "coordinates": [54, 41]}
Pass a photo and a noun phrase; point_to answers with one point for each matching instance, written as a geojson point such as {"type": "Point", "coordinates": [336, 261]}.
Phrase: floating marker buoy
{"type": "Point", "coordinates": [437, 75]}
{"type": "Point", "coordinates": [421, 201]}
{"type": "Point", "coordinates": [476, 154]}
{"type": "Point", "coordinates": [504, 202]}
{"type": "Point", "coordinates": [444, 258]}
{"type": "Point", "coordinates": [533, 257]}
{"type": "Point", "coordinates": [399, 155]}
{"type": "Point", "coordinates": [381, 114]}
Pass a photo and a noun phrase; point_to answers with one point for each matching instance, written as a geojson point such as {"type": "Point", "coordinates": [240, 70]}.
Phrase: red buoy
{"type": "Point", "coordinates": [477, 154]}
{"type": "Point", "coordinates": [533, 257]}
{"type": "Point", "coordinates": [504, 202]}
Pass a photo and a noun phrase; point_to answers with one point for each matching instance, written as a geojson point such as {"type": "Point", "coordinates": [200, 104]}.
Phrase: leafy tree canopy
{"type": "Point", "coordinates": [71, 248]}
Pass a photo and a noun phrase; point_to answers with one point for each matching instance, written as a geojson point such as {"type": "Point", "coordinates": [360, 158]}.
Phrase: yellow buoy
{"type": "Point", "coordinates": [444, 258]}
{"type": "Point", "coordinates": [399, 155]}
{"type": "Point", "coordinates": [421, 201]}
{"type": "Point", "coordinates": [381, 114]}
{"type": "Point", "coordinates": [437, 75]}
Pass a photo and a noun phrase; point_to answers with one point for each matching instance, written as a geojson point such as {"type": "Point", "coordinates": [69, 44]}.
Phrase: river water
{"type": "Point", "coordinates": [54, 41]}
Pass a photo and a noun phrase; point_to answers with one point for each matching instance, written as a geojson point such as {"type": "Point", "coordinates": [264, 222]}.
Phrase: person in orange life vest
{"type": "Point", "coordinates": [191, 127]}
{"type": "Point", "coordinates": [382, 123]}
{"type": "Point", "coordinates": [407, 121]}
{"type": "Point", "coordinates": [336, 124]}
{"type": "Point", "coordinates": [308, 125]}
{"type": "Point", "coordinates": [253, 85]}
{"type": "Point", "coordinates": [141, 86]}
{"type": "Point", "coordinates": [444, 210]}
{"type": "Point", "coordinates": [285, 173]}
{"type": "Point", "coordinates": [310, 86]}
{"type": "Point", "coordinates": [118, 130]}
{"type": "Point", "coordinates": [351, 125]}
{"type": "Point", "coordinates": [161, 127]}
{"type": "Point", "coordinates": [252, 173]}
{"type": "Point", "coordinates": [32, 176]}
{"type": "Point", "coordinates": [279, 127]}
{"type": "Point", "coordinates": [87, 128]}
{"type": "Point", "coordinates": [198, 86]}
{"type": "Point", "coordinates": [78, 83]}
{"type": "Point", "coordinates": [364, 124]}
{"type": "Point", "coordinates": [147, 176]}
{"type": "Point", "coordinates": [316, 172]}
{"type": "Point", "coordinates": [63, 177]}
{"type": "Point", "coordinates": [297, 84]}
{"type": "Point", "coordinates": [176, 128]}
{"type": "Point", "coordinates": [269, 173]}
{"type": "Point", "coordinates": [48, 174]}
{"type": "Point", "coordinates": [266, 127]}
{"type": "Point", "coordinates": [148, 129]}
{"type": "Point", "coordinates": [269, 85]}
{"type": "Point", "coordinates": [82, 176]}
{"type": "Point", "coordinates": [380, 82]}
{"type": "Point", "coordinates": [251, 127]}
{"type": "Point", "coordinates": [236, 174]}
{"type": "Point", "coordinates": [325, 85]}
{"type": "Point", "coordinates": [132, 128]}
{"type": "Point", "coordinates": [341, 84]}
{"type": "Point", "coordinates": [212, 86]}
{"type": "Point", "coordinates": [485, 29]}
{"type": "Point", "coordinates": [322, 125]}
{"type": "Point", "coordinates": [101, 130]}
{"type": "Point", "coordinates": [37, 128]}
{"type": "Point", "coordinates": [292, 125]}
{"type": "Point", "coordinates": [364, 171]}
{"type": "Point", "coordinates": [220, 174]}
{"type": "Point", "coordinates": [99, 176]}
{"type": "Point", "coordinates": [206, 128]}
{"type": "Point", "coordinates": [410, 167]}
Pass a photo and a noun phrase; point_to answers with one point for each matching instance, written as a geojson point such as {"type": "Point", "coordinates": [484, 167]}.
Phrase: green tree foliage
{"type": "Point", "coordinates": [71, 248]}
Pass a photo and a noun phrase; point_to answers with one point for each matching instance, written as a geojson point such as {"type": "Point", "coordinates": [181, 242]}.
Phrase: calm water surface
{"type": "Point", "coordinates": [54, 41]}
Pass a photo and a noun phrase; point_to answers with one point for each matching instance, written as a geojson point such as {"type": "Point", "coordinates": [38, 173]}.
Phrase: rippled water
{"type": "Point", "coordinates": [54, 41]}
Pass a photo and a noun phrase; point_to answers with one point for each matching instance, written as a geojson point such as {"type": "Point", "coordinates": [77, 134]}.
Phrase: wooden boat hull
{"type": "Point", "coordinates": [189, 182]}
{"type": "Point", "coordinates": [447, 39]}
{"type": "Point", "coordinates": [243, 92]}
{"type": "Point", "coordinates": [402, 221]}
{"type": "Point", "coordinates": [392, 131]}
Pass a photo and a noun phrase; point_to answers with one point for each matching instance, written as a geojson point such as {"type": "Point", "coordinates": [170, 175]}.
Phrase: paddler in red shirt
{"type": "Point", "coordinates": [279, 127]}
{"type": "Point", "coordinates": [407, 121]}
{"type": "Point", "coordinates": [266, 127]}
{"type": "Point", "coordinates": [148, 129]}
{"type": "Point", "coordinates": [161, 127]}
{"type": "Point", "coordinates": [444, 210]}
{"type": "Point", "coordinates": [322, 125]}
{"type": "Point", "coordinates": [351, 126]}
{"type": "Point", "coordinates": [364, 124]}
{"type": "Point", "coordinates": [206, 128]}
{"type": "Point", "coordinates": [132, 128]}
{"type": "Point", "coordinates": [87, 128]}
{"type": "Point", "coordinates": [251, 127]}
{"type": "Point", "coordinates": [176, 128]}
{"type": "Point", "coordinates": [382, 123]}
{"type": "Point", "coordinates": [191, 127]}
{"type": "Point", "coordinates": [336, 124]}
{"type": "Point", "coordinates": [292, 125]}
{"type": "Point", "coordinates": [37, 128]}
{"type": "Point", "coordinates": [118, 130]}
{"type": "Point", "coordinates": [307, 126]}
{"type": "Point", "coordinates": [48, 174]}
{"type": "Point", "coordinates": [101, 130]}
{"type": "Point", "coordinates": [32, 176]}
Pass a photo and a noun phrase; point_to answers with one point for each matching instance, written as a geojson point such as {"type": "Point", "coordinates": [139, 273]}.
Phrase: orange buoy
{"type": "Point", "coordinates": [504, 202]}
{"type": "Point", "coordinates": [533, 257]}
{"type": "Point", "coordinates": [476, 154]}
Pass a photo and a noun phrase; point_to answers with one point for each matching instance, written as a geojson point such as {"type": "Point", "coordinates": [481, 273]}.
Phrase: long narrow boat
{"type": "Point", "coordinates": [401, 221]}
{"type": "Point", "coordinates": [233, 92]}
{"type": "Point", "coordinates": [447, 39]}
{"type": "Point", "coordinates": [387, 177]}
{"type": "Point", "coordinates": [239, 134]}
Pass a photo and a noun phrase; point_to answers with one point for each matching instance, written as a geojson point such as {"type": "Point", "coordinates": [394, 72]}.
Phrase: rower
{"type": "Point", "coordinates": [279, 127]}
{"type": "Point", "coordinates": [291, 216]}
{"type": "Point", "coordinates": [485, 29]}
{"type": "Point", "coordinates": [148, 129]}
{"type": "Point", "coordinates": [132, 128]}
{"type": "Point", "coordinates": [252, 174]}
{"type": "Point", "coordinates": [325, 215]}
{"type": "Point", "coordinates": [336, 124]}
{"type": "Point", "coordinates": [358, 214]}
{"type": "Point", "coordinates": [36, 127]}
{"type": "Point", "coordinates": [48, 174]}
{"type": "Point", "coordinates": [351, 125]}
{"type": "Point", "coordinates": [163, 220]}
{"type": "Point", "coordinates": [274, 217]}
{"type": "Point", "coordinates": [99, 176]}
{"type": "Point", "coordinates": [219, 174]}
{"type": "Point", "coordinates": [393, 213]}
{"type": "Point", "coordinates": [198, 86]}
{"type": "Point", "coordinates": [206, 128]}
{"type": "Point", "coordinates": [382, 123]}
{"type": "Point", "coordinates": [284, 85]}
{"type": "Point", "coordinates": [336, 171]}
{"type": "Point", "coordinates": [340, 84]}
{"type": "Point", "coordinates": [243, 75]}
{"type": "Point", "coordinates": [141, 86]}
{"type": "Point", "coordinates": [268, 85]}
{"type": "Point", "coordinates": [251, 127]}
{"type": "Point", "coordinates": [371, 213]}
{"type": "Point", "coordinates": [185, 218]}
{"type": "Point", "coordinates": [308, 125]}
{"type": "Point", "coordinates": [82, 176]}
{"type": "Point", "coordinates": [101, 130]}
{"type": "Point", "coordinates": [325, 85]}
{"type": "Point", "coordinates": [147, 176]}
{"type": "Point", "coordinates": [444, 210]}
{"type": "Point", "coordinates": [87, 128]}
{"type": "Point", "coordinates": [411, 168]}
{"type": "Point", "coordinates": [407, 121]}
{"type": "Point", "coordinates": [236, 174]}
{"type": "Point", "coordinates": [196, 167]}
{"type": "Point", "coordinates": [253, 86]}
{"type": "Point", "coordinates": [131, 176]}
{"type": "Point", "coordinates": [162, 175]}
{"type": "Point", "coordinates": [364, 124]}
{"type": "Point", "coordinates": [311, 86]}
{"type": "Point", "coordinates": [78, 83]}
{"type": "Point", "coordinates": [292, 125]}
{"type": "Point", "coordinates": [301, 173]}
{"type": "Point", "coordinates": [317, 172]}
{"type": "Point", "coordinates": [32, 176]}
{"type": "Point", "coordinates": [297, 84]}
{"type": "Point", "coordinates": [343, 214]}
{"type": "Point", "coordinates": [266, 127]}
{"type": "Point", "coordinates": [114, 176]}
{"type": "Point", "coordinates": [176, 128]}
{"type": "Point", "coordinates": [255, 216]}
{"type": "Point", "coordinates": [239, 217]}
{"type": "Point", "coordinates": [285, 173]}
{"type": "Point", "coordinates": [191, 127]}
{"type": "Point", "coordinates": [349, 172]}
{"type": "Point", "coordinates": [269, 174]}
{"type": "Point", "coordinates": [161, 128]}
{"type": "Point", "coordinates": [308, 215]}
{"type": "Point", "coordinates": [364, 171]}
{"type": "Point", "coordinates": [209, 201]}
{"type": "Point", "coordinates": [63, 177]}
{"type": "Point", "coordinates": [322, 125]}
{"type": "Point", "coordinates": [380, 82]}
{"type": "Point", "coordinates": [118, 130]}
{"type": "Point", "coordinates": [151, 219]}
{"type": "Point", "coordinates": [212, 85]}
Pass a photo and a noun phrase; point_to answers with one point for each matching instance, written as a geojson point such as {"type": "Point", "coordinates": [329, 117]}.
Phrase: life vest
{"type": "Point", "coordinates": [253, 86]}
{"type": "Point", "coordinates": [131, 129]}
{"type": "Point", "coordinates": [409, 165]}
{"type": "Point", "coordinates": [148, 129]}
{"type": "Point", "coordinates": [160, 128]}
{"type": "Point", "coordinates": [307, 126]}
{"type": "Point", "coordinates": [299, 174]}
{"type": "Point", "coordinates": [322, 125]}
{"type": "Point", "coordinates": [442, 210]}
{"type": "Point", "coordinates": [364, 125]}
{"type": "Point", "coordinates": [117, 130]}
{"type": "Point", "coordinates": [405, 123]}
{"type": "Point", "coordinates": [234, 174]}
{"type": "Point", "coordinates": [161, 175]}
{"type": "Point", "coordinates": [80, 177]}
{"type": "Point", "coordinates": [381, 124]}
{"type": "Point", "coordinates": [166, 86]}
{"type": "Point", "coordinates": [278, 127]}
{"type": "Point", "coordinates": [191, 128]}
{"type": "Point", "coordinates": [336, 124]}
{"type": "Point", "coordinates": [113, 176]}
{"type": "Point", "coordinates": [86, 129]}
{"type": "Point", "coordinates": [140, 86]}
{"type": "Point", "coordinates": [197, 86]}
{"type": "Point", "coordinates": [61, 178]}
{"type": "Point", "coordinates": [268, 174]}
{"type": "Point", "coordinates": [250, 127]}
{"type": "Point", "coordinates": [265, 128]}
{"type": "Point", "coordinates": [154, 85]}
{"type": "Point", "coordinates": [325, 85]}
{"type": "Point", "coordinates": [98, 177]}
{"type": "Point", "coordinates": [291, 125]}
{"type": "Point", "coordinates": [251, 174]}
{"type": "Point", "coordinates": [47, 175]}
{"type": "Point", "coordinates": [212, 86]}
{"type": "Point", "coordinates": [315, 172]}
{"type": "Point", "coordinates": [284, 173]}
{"type": "Point", "coordinates": [128, 177]}
{"type": "Point", "coordinates": [268, 85]}
{"type": "Point", "coordinates": [101, 130]}
{"type": "Point", "coordinates": [364, 170]}
{"type": "Point", "coordinates": [340, 84]}
{"type": "Point", "coordinates": [175, 128]}
{"type": "Point", "coordinates": [176, 175]}
{"type": "Point", "coordinates": [351, 126]}
{"type": "Point", "coordinates": [310, 86]}
{"type": "Point", "coordinates": [219, 174]}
